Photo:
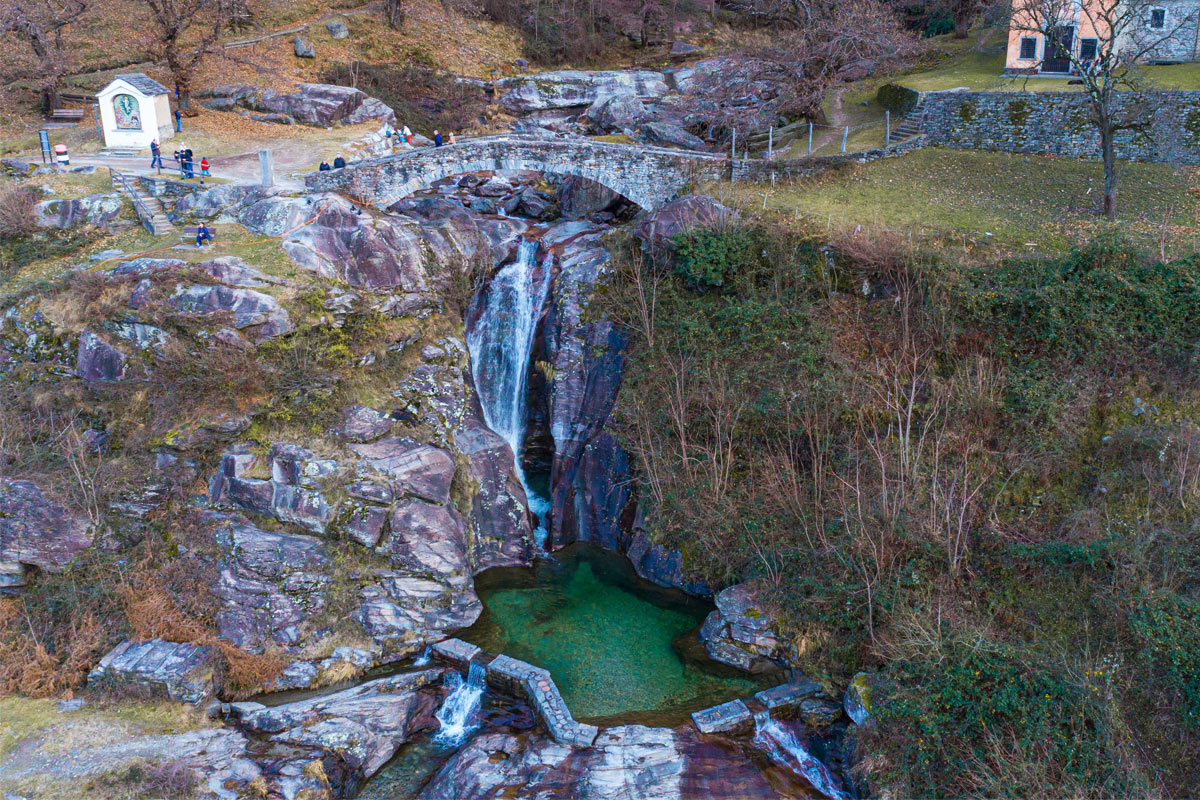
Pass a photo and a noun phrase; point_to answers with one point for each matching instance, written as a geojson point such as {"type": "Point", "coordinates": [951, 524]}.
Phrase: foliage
{"type": "Point", "coordinates": [17, 212]}
{"type": "Point", "coordinates": [944, 716]}
{"type": "Point", "coordinates": [423, 98]}
{"type": "Point", "coordinates": [708, 258]}
{"type": "Point", "coordinates": [1167, 626]}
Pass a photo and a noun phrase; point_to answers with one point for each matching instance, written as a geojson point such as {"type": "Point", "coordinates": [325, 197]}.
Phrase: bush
{"type": "Point", "coordinates": [17, 218]}
{"type": "Point", "coordinates": [709, 258]}
{"type": "Point", "coordinates": [1168, 628]}
{"type": "Point", "coordinates": [422, 98]}
{"type": "Point", "coordinates": [945, 716]}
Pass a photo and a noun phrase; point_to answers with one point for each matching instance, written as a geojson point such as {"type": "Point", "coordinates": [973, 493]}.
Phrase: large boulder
{"type": "Point", "coordinates": [338, 29]}
{"type": "Point", "coordinates": [418, 469]}
{"type": "Point", "coordinates": [37, 531]}
{"type": "Point", "coordinates": [364, 725]}
{"type": "Point", "coordinates": [617, 112]}
{"type": "Point", "coordinates": [657, 229]}
{"type": "Point", "coordinates": [247, 307]}
{"type": "Point", "coordinates": [217, 200]}
{"type": "Point", "coordinates": [302, 48]}
{"type": "Point", "coordinates": [177, 671]}
{"type": "Point", "coordinates": [311, 104]}
{"type": "Point", "coordinates": [667, 134]}
{"type": "Point", "coordinates": [94, 209]}
{"type": "Point", "coordinates": [742, 633]}
{"type": "Point", "coordinates": [572, 88]}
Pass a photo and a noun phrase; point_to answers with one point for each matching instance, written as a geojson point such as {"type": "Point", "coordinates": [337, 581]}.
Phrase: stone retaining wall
{"type": "Point", "coordinates": [1059, 123]}
{"type": "Point", "coordinates": [737, 716]}
{"type": "Point", "coordinates": [165, 187]}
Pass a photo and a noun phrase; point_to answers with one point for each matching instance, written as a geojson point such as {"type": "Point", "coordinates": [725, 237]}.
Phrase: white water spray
{"type": "Point", "coordinates": [423, 659]}
{"type": "Point", "coordinates": [458, 716]}
{"type": "Point", "coordinates": [784, 749]}
{"type": "Point", "coordinates": [501, 342]}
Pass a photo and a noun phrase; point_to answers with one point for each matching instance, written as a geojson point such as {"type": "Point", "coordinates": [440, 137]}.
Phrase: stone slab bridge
{"type": "Point", "coordinates": [646, 176]}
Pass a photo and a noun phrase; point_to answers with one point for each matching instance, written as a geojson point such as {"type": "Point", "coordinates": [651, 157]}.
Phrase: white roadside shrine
{"type": "Point", "coordinates": [134, 110]}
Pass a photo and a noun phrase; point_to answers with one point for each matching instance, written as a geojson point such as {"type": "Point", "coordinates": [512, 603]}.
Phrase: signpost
{"type": "Point", "coordinates": [44, 138]}
{"type": "Point", "coordinates": [268, 169]}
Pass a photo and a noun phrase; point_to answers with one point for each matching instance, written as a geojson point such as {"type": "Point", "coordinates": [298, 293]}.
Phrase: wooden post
{"type": "Point", "coordinates": [732, 155]}
{"type": "Point", "coordinates": [887, 128]}
{"type": "Point", "coordinates": [770, 142]}
{"type": "Point", "coordinates": [845, 136]}
{"type": "Point", "coordinates": [810, 138]}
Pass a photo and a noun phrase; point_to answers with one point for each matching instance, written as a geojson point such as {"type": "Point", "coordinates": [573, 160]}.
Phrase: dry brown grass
{"type": "Point", "coordinates": [16, 212]}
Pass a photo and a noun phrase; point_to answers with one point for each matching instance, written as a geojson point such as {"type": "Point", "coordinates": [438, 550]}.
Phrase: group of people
{"type": "Point", "coordinates": [184, 159]}
{"type": "Point", "coordinates": [402, 135]}
{"type": "Point", "coordinates": [338, 163]}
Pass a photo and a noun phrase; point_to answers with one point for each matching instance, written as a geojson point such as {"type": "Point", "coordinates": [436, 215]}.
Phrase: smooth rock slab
{"type": "Point", "coordinates": [724, 718]}
{"type": "Point", "coordinates": [179, 671]}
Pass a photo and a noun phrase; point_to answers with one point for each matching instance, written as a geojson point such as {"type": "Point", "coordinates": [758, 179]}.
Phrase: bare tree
{"type": "Point", "coordinates": [1120, 34]}
{"type": "Point", "coordinates": [182, 33]}
{"type": "Point", "coordinates": [395, 11]}
{"type": "Point", "coordinates": [811, 45]}
{"type": "Point", "coordinates": [41, 24]}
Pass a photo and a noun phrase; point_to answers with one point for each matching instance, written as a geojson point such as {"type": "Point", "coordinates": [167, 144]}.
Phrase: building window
{"type": "Point", "coordinates": [127, 113]}
{"type": "Point", "coordinates": [1158, 18]}
{"type": "Point", "coordinates": [1087, 50]}
{"type": "Point", "coordinates": [1028, 48]}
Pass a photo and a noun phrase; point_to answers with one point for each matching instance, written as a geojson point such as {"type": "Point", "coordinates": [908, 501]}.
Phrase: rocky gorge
{"type": "Point", "coordinates": [340, 525]}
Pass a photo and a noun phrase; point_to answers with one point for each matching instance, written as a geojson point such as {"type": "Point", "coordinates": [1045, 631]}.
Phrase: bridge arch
{"type": "Point", "coordinates": [646, 176]}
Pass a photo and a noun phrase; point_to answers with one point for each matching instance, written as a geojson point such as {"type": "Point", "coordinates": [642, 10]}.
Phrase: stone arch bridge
{"type": "Point", "coordinates": [647, 176]}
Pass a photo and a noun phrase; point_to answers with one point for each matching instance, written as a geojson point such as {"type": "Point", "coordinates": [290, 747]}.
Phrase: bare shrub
{"type": "Point", "coordinates": [17, 217]}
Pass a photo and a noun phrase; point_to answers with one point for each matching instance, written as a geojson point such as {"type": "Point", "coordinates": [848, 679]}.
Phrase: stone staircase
{"type": "Point", "coordinates": [149, 209]}
{"type": "Point", "coordinates": [905, 128]}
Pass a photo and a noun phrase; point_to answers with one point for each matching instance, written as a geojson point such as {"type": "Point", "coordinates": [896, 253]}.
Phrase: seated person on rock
{"type": "Point", "coordinates": [339, 162]}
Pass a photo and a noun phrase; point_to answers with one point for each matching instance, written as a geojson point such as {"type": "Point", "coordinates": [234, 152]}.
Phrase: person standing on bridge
{"type": "Point", "coordinates": [155, 154]}
{"type": "Point", "coordinates": [452, 141]}
{"type": "Point", "coordinates": [437, 138]}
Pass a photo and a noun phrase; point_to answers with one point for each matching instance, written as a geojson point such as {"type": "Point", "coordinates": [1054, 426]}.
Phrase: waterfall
{"type": "Point", "coordinates": [783, 747]}
{"type": "Point", "coordinates": [423, 659]}
{"type": "Point", "coordinates": [501, 342]}
{"type": "Point", "coordinates": [458, 716]}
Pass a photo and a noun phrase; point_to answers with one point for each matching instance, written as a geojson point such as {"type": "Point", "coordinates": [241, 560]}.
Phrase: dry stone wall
{"type": "Point", "coordinates": [1060, 123]}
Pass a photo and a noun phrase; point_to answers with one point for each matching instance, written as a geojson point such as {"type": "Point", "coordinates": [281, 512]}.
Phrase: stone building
{"type": "Point", "coordinates": [1162, 32]}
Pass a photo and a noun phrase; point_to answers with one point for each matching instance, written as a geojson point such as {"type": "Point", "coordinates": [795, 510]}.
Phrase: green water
{"type": "Point", "coordinates": [619, 648]}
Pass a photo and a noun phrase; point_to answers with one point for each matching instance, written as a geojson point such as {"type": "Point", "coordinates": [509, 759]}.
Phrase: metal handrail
{"type": "Point", "coordinates": [143, 213]}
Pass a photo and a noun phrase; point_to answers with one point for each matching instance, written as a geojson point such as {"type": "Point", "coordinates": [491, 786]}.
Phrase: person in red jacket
{"type": "Point", "coordinates": [204, 168]}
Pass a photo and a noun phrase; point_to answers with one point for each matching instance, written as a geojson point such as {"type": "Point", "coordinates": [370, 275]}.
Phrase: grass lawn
{"type": "Point", "coordinates": [995, 201]}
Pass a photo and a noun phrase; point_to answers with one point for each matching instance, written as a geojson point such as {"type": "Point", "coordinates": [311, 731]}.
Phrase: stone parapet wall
{"type": "Point", "coordinates": [1060, 123]}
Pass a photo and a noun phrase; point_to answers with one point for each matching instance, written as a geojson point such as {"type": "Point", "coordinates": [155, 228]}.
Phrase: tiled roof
{"type": "Point", "coordinates": [143, 83]}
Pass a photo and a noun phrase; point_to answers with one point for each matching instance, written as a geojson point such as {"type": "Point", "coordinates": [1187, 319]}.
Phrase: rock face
{"type": "Point", "coordinates": [311, 104]}
{"type": "Point", "coordinates": [36, 531]}
{"type": "Point", "coordinates": [581, 198]}
{"type": "Point", "coordinates": [740, 633]}
{"type": "Point", "coordinates": [269, 585]}
{"type": "Point", "coordinates": [570, 88]}
{"type": "Point", "coordinates": [503, 536]}
{"type": "Point", "coordinates": [338, 29]}
{"type": "Point", "coordinates": [95, 209]}
{"type": "Point", "coordinates": [249, 308]}
{"type": "Point", "coordinates": [629, 761]}
{"type": "Point", "coordinates": [364, 725]}
{"type": "Point", "coordinates": [98, 360]}
{"type": "Point", "coordinates": [178, 671]}
{"type": "Point", "coordinates": [657, 229]}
